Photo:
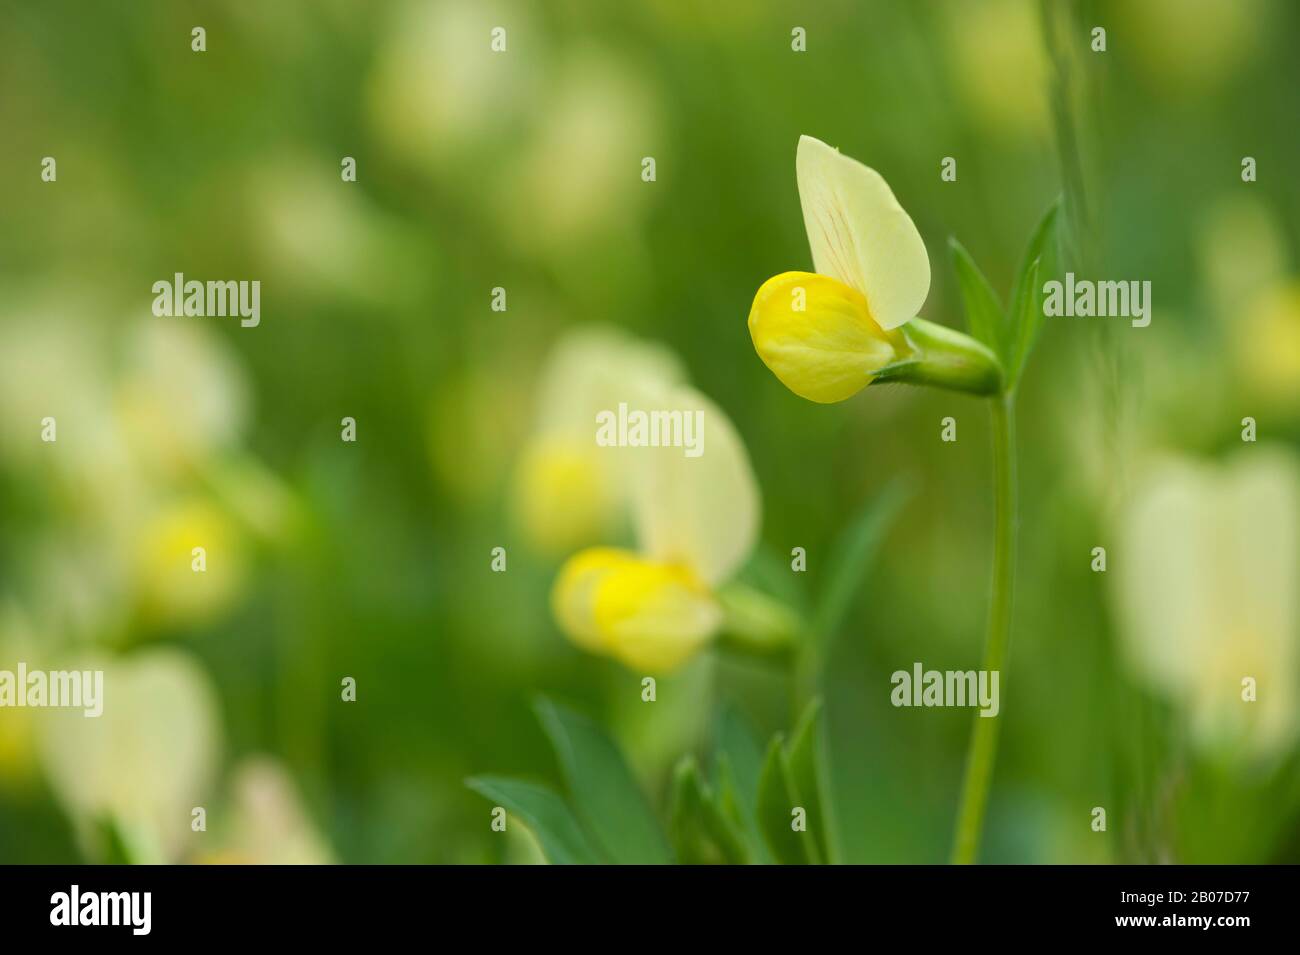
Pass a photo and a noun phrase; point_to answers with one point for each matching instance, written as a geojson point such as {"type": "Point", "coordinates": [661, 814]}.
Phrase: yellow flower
{"type": "Point", "coordinates": [695, 520]}
{"type": "Point", "coordinates": [828, 335]}
{"type": "Point", "coordinates": [818, 337]}
{"type": "Point", "coordinates": [1207, 599]}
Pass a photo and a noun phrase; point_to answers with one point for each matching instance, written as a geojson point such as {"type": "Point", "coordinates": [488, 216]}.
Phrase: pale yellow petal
{"type": "Point", "coordinates": [817, 336]}
{"type": "Point", "coordinates": [592, 368]}
{"type": "Point", "coordinates": [696, 503]}
{"type": "Point", "coordinates": [568, 491]}
{"type": "Point", "coordinates": [860, 234]}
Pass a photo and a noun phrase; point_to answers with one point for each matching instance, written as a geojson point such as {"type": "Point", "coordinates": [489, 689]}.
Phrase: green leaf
{"type": "Point", "coordinates": [122, 844]}
{"type": "Point", "coordinates": [604, 793]}
{"type": "Point", "coordinates": [848, 567]}
{"type": "Point", "coordinates": [777, 800]}
{"type": "Point", "coordinates": [738, 764]}
{"type": "Point", "coordinates": [701, 832]}
{"type": "Point", "coordinates": [806, 757]}
{"type": "Point", "coordinates": [1026, 315]}
{"type": "Point", "coordinates": [544, 813]}
{"type": "Point", "coordinates": [1029, 319]}
{"type": "Point", "coordinates": [983, 310]}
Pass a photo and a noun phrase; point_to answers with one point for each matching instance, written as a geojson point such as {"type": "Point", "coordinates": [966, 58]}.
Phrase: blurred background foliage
{"type": "Point", "coordinates": [522, 170]}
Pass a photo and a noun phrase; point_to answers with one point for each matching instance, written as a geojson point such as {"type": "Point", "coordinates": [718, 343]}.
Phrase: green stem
{"type": "Point", "coordinates": [943, 357]}
{"type": "Point", "coordinates": [984, 737]}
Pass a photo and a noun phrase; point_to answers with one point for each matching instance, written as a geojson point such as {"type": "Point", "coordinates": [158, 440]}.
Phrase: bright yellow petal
{"type": "Point", "coordinates": [654, 616]}
{"type": "Point", "coordinates": [859, 233]}
{"type": "Point", "coordinates": [171, 590]}
{"type": "Point", "coordinates": [695, 503]}
{"type": "Point", "coordinates": [650, 615]}
{"type": "Point", "coordinates": [573, 598]}
{"type": "Point", "coordinates": [818, 336]}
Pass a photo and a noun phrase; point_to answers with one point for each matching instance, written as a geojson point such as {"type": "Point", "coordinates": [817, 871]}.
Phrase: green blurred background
{"type": "Point", "coordinates": [522, 170]}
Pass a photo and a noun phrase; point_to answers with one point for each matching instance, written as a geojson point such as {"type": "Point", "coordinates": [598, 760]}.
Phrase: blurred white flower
{"type": "Point", "coordinates": [568, 490]}
{"type": "Point", "coordinates": [328, 239]}
{"type": "Point", "coordinates": [439, 89]}
{"type": "Point", "coordinates": [579, 175]}
{"type": "Point", "coordinates": [1205, 575]}
{"type": "Point", "coordinates": [52, 365]}
{"type": "Point", "coordinates": [147, 761]}
{"type": "Point", "coordinates": [181, 397]}
{"type": "Point", "coordinates": [266, 822]}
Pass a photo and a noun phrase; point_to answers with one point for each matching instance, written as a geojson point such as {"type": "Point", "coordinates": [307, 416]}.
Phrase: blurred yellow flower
{"type": "Point", "coordinates": [17, 725]}
{"type": "Point", "coordinates": [1266, 344]}
{"type": "Point", "coordinates": [1242, 251]}
{"type": "Point", "coordinates": [147, 465]}
{"type": "Point", "coordinates": [569, 491]}
{"type": "Point", "coordinates": [1205, 583]}
{"type": "Point", "coordinates": [564, 497]}
{"type": "Point", "coordinates": [695, 519]}
{"type": "Point", "coordinates": [177, 584]}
